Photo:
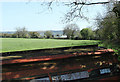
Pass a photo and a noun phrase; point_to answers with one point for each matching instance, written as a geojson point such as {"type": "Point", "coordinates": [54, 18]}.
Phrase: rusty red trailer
{"type": "Point", "coordinates": [79, 65]}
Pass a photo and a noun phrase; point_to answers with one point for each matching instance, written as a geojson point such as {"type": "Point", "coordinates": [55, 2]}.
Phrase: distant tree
{"type": "Point", "coordinates": [0, 35]}
{"type": "Point", "coordinates": [48, 34]}
{"type": "Point", "coordinates": [98, 34]}
{"type": "Point", "coordinates": [6, 35]}
{"type": "Point", "coordinates": [14, 35]}
{"type": "Point", "coordinates": [34, 34]}
{"type": "Point", "coordinates": [21, 33]}
{"type": "Point", "coordinates": [78, 36]}
{"type": "Point", "coordinates": [58, 35]}
{"type": "Point", "coordinates": [53, 36]}
{"type": "Point", "coordinates": [70, 30]}
{"type": "Point", "coordinates": [87, 33]}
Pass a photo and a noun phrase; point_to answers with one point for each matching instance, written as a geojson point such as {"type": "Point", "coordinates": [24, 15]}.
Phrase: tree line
{"type": "Point", "coordinates": [23, 33]}
{"type": "Point", "coordinates": [108, 29]}
{"type": "Point", "coordinates": [71, 31]}
{"type": "Point", "coordinates": [109, 26]}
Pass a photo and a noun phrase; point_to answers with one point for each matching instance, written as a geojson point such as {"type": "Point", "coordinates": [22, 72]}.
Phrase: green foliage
{"type": "Point", "coordinates": [14, 35]}
{"type": "Point", "coordinates": [21, 44]}
{"type": "Point", "coordinates": [115, 47]}
{"type": "Point", "coordinates": [87, 33]}
{"type": "Point", "coordinates": [116, 9]}
{"type": "Point", "coordinates": [5, 35]}
{"type": "Point", "coordinates": [109, 29]}
{"type": "Point", "coordinates": [78, 36]}
{"type": "Point", "coordinates": [109, 26]}
{"type": "Point", "coordinates": [34, 34]}
{"type": "Point", "coordinates": [48, 34]}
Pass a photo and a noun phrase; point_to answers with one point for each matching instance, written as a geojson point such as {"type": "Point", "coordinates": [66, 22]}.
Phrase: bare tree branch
{"type": "Point", "coordinates": [90, 3]}
{"type": "Point", "coordinates": [76, 8]}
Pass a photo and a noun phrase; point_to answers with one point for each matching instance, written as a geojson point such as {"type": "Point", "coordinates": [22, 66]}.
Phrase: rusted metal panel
{"type": "Point", "coordinates": [72, 76]}
{"type": "Point", "coordinates": [55, 57]}
{"type": "Point", "coordinates": [72, 66]}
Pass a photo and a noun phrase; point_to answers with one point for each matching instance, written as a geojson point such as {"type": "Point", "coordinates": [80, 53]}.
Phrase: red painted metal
{"type": "Point", "coordinates": [39, 71]}
{"type": "Point", "coordinates": [52, 57]}
{"type": "Point", "coordinates": [25, 73]}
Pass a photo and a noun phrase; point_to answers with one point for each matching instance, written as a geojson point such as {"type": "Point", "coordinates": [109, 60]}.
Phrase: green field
{"type": "Point", "coordinates": [21, 44]}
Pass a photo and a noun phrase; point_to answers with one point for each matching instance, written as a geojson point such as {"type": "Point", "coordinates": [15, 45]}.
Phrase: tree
{"type": "Point", "coordinates": [98, 34]}
{"type": "Point", "coordinates": [48, 34]}
{"type": "Point", "coordinates": [58, 35]}
{"type": "Point", "coordinates": [21, 32]}
{"type": "Point", "coordinates": [71, 30]}
{"type": "Point", "coordinates": [78, 36]}
{"type": "Point", "coordinates": [34, 34]}
{"type": "Point", "coordinates": [76, 7]}
{"type": "Point", "coordinates": [109, 26]}
{"type": "Point", "coordinates": [6, 35]}
{"type": "Point", "coordinates": [87, 33]}
{"type": "Point", "coordinates": [14, 35]}
{"type": "Point", "coordinates": [116, 10]}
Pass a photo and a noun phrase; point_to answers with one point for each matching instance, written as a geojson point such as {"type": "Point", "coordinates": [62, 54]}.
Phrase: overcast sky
{"type": "Point", "coordinates": [37, 18]}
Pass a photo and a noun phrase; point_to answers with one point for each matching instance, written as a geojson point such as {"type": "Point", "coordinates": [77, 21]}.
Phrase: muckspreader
{"type": "Point", "coordinates": [61, 64]}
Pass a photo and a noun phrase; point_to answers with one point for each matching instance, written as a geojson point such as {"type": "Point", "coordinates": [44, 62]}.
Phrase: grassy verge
{"type": "Point", "coordinates": [21, 44]}
{"type": "Point", "coordinates": [115, 47]}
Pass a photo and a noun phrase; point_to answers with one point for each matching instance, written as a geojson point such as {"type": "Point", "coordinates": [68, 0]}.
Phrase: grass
{"type": "Point", "coordinates": [115, 47]}
{"type": "Point", "coordinates": [22, 44]}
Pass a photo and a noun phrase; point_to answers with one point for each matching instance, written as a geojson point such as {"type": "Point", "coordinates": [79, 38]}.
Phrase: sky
{"type": "Point", "coordinates": [35, 17]}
